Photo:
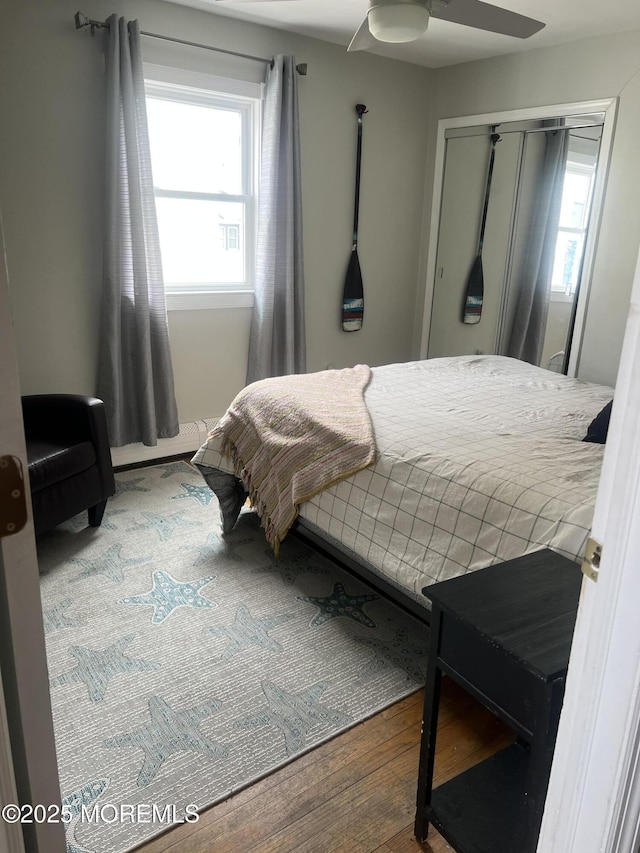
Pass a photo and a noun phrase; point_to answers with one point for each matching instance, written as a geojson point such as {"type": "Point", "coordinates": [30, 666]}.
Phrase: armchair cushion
{"type": "Point", "coordinates": [50, 463]}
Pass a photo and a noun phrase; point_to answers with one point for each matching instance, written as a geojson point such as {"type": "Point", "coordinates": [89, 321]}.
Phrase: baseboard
{"type": "Point", "coordinates": [188, 440]}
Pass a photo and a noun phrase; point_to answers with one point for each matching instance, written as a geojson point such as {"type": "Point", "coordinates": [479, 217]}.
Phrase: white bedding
{"type": "Point", "coordinates": [479, 459]}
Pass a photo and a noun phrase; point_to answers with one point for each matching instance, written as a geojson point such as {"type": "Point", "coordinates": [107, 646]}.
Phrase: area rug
{"type": "Point", "coordinates": [185, 665]}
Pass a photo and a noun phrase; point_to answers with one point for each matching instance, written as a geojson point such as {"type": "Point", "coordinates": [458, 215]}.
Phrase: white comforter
{"type": "Point", "coordinates": [480, 459]}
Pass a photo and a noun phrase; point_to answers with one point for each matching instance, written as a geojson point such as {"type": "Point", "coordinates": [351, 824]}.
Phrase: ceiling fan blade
{"type": "Point", "coordinates": [484, 16]}
{"type": "Point", "coordinates": [362, 39]}
{"type": "Point", "coordinates": [231, 2]}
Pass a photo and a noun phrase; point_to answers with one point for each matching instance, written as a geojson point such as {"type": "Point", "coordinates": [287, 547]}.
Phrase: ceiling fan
{"type": "Point", "coordinates": [397, 21]}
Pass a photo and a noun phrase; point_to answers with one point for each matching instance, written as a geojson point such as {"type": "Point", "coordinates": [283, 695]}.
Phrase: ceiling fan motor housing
{"type": "Point", "coordinates": [397, 21]}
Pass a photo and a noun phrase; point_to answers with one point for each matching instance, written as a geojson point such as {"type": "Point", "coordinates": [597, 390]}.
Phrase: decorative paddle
{"type": "Point", "coordinates": [353, 294]}
{"type": "Point", "coordinates": [472, 309]}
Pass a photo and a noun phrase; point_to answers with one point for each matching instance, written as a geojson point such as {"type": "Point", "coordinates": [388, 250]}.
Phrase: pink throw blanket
{"type": "Point", "coordinates": [290, 437]}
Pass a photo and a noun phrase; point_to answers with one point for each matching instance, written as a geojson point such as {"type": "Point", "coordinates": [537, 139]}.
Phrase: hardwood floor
{"type": "Point", "coordinates": [355, 793]}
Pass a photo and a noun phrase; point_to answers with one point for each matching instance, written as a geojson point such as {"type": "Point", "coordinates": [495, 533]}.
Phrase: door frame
{"type": "Point", "coordinates": [10, 833]}
{"type": "Point", "coordinates": [29, 759]}
{"type": "Point", "coordinates": [608, 106]}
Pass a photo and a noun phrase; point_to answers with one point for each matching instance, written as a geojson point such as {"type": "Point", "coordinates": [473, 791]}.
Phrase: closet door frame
{"type": "Point", "coordinates": [607, 106]}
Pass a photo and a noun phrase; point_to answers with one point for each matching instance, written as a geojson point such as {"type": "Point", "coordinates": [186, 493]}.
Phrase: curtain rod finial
{"type": "Point", "coordinates": [82, 21]}
{"type": "Point", "coordinates": [302, 69]}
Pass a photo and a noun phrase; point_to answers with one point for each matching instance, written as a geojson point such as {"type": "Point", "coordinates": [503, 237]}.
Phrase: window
{"type": "Point", "coordinates": [203, 138]}
{"type": "Point", "coordinates": [574, 218]}
{"type": "Point", "coordinates": [229, 236]}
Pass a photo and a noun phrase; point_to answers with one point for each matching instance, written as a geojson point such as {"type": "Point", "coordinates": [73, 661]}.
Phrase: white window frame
{"type": "Point", "coordinates": [558, 294]}
{"type": "Point", "coordinates": [223, 93]}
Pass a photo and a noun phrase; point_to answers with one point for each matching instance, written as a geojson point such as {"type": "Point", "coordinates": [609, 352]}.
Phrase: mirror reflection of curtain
{"type": "Point", "coordinates": [534, 287]}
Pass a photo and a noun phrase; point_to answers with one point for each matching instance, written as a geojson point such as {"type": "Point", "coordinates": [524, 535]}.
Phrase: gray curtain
{"type": "Point", "coordinates": [530, 321]}
{"type": "Point", "coordinates": [135, 376]}
{"type": "Point", "coordinates": [277, 344]}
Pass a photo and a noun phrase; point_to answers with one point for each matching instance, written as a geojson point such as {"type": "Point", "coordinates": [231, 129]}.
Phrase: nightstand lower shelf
{"type": "Point", "coordinates": [481, 810]}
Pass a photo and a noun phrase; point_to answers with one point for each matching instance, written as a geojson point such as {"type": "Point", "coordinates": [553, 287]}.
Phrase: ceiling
{"type": "Point", "coordinates": [443, 43]}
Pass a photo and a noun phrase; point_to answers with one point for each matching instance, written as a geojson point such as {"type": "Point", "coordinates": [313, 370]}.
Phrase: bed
{"type": "Point", "coordinates": [478, 459]}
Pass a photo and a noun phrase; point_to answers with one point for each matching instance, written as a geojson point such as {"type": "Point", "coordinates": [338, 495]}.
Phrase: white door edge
{"type": "Point", "coordinates": [22, 650]}
{"type": "Point", "coordinates": [593, 801]}
{"type": "Point", "coordinates": [10, 833]}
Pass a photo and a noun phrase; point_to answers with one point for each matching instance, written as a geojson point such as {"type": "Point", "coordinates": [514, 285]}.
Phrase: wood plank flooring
{"type": "Point", "coordinates": [355, 793]}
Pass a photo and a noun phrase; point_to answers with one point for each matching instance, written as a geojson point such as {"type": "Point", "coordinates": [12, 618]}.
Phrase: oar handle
{"type": "Point", "coordinates": [360, 111]}
{"type": "Point", "coordinates": [495, 138]}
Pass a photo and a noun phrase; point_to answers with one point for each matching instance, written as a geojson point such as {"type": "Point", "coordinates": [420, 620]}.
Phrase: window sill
{"type": "Point", "coordinates": [194, 301]}
{"type": "Point", "coordinates": [560, 296]}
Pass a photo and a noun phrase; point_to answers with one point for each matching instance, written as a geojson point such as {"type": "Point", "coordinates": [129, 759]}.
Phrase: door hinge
{"type": "Point", "coordinates": [591, 559]}
{"type": "Point", "coordinates": [13, 503]}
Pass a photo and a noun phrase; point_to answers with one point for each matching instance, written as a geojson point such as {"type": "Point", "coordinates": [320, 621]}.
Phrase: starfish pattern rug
{"type": "Point", "coordinates": [185, 665]}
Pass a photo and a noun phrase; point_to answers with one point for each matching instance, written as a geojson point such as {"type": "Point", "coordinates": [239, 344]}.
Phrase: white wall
{"type": "Point", "coordinates": [51, 154]}
{"type": "Point", "coordinates": [555, 338]}
{"type": "Point", "coordinates": [588, 70]}
{"type": "Point", "coordinates": [51, 108]}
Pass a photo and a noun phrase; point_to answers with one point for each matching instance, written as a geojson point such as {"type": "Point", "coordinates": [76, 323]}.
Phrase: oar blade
{"type": "Point", "coordinates": [474, 295]}
{"type": "Point", "coordinates": [353, 296]}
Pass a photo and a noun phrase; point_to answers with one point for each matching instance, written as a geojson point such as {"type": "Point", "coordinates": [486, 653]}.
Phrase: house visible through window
{"type": "Point", "coordinates": [230, 236]}
{"type": "Point", "coordinates": [203, 153]}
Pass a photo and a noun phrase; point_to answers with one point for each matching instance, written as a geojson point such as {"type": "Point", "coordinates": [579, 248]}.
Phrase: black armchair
{"type": "Point", "coordinates": [68, 457]}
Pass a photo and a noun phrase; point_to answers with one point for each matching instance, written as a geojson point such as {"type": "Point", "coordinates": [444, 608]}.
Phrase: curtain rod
{"type": "Point", "coordinates": [82, 21]}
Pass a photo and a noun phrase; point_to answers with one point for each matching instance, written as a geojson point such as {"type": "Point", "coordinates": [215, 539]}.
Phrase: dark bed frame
{"type": "Point", "coordinates": [232, 495]}
{"type": "Point", "coordinates": [359, 568]}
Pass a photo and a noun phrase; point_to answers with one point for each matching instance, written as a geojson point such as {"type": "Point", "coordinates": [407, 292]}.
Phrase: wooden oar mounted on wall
{"type": "Point", "coordinates": [353, 294]}
{"type": "Point", "coordinates": [474, 294]}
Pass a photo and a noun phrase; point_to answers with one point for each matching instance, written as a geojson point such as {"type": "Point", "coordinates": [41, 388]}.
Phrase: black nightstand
{"type": "Point", "coordinates": [504, 634]}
